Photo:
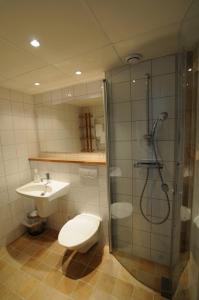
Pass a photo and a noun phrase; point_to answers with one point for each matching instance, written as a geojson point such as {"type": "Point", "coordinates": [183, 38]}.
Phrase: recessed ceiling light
{"type": "Point", "coordinates": [35, 43]}
{"type": "Point", "coordinates": [78, 72]}
{"type": "Point", "coordinates": [36, 83]}
{"type": "Point", "coordinates": [133, 81]}
{"type": "Point", "coordinates": [190, 69]}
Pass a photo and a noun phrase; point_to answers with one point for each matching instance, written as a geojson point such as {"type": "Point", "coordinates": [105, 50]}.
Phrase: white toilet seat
{"type": "Point", "coordinates": [79, 231]}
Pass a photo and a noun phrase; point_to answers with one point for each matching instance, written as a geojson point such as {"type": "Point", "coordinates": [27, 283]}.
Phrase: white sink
{"type": "Point", "coordinates": [44, 193]}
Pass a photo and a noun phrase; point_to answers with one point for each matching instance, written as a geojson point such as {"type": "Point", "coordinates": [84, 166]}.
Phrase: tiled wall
{"type": "Point", "coordinates": [85, 195]}
{"type": "Point", "coordinates": [19, 130]}
{"type": "Point", "coordinates": [128, 123]}
{"type": "Point", "coordinates": [18, 141]}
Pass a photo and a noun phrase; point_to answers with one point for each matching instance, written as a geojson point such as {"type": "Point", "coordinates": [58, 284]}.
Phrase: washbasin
{"type": "Point", "coordinates": [45, 194]}
{"type": "Point", "coordinates": [43, 190]}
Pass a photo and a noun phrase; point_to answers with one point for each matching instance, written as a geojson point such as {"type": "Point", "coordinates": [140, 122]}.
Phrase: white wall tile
{"type": "Point", "coordinates": [120, 131]}
{"type": "Point", "coordinates": [124, 165]}
{"type": "Point", "coordinates": [140, 70]}
{"type": "Point", "coordinates": [121, 150]}
{"type": "Point", "coordinates": [163, 65]}
{"type": "Point", "coordinates": [121, 75]}
{"type": "Point", "coordinates": [141, 238]}
{"type": "Point", "coordinates": [163, 86]}
{"type": "Point", "coordinates": [120, 92]}
{"type": "Point", "coordinates": [138, 89]}
{"type": "Point", "coordinates": [121, 112]}
{"type": "Point", "coordinates": [164, 105]}
{"type": "Point", "coordinates": [139, 111]}
{"type": "Point", "coordinates": [160, 243]}
{"type": "Point", "coordinates": [17, 115]}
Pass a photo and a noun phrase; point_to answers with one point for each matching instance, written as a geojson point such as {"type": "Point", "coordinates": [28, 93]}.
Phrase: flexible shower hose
{"type": "Point", "coordinates": [164, 187]}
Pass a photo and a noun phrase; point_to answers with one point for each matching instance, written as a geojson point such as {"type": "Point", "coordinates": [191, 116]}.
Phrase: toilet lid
{"type": "Point", "coordinates": [78, 230]}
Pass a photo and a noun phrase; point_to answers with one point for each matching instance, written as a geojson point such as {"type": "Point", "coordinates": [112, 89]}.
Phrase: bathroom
{"type": "Point", "coordinates": [99, 138]}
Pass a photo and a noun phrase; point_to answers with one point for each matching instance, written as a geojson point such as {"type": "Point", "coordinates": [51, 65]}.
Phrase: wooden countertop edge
{"type": "Point", "coordinates": [67, 161]}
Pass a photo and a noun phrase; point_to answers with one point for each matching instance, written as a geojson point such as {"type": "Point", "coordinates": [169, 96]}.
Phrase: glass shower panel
{"type": "Point", "coordinates": [141, 127]}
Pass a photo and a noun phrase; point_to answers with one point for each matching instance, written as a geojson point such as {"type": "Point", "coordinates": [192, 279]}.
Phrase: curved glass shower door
{"type": "Point", "coordinates": [141, 115]}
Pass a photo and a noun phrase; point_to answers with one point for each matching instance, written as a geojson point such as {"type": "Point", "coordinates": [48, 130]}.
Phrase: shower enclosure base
{"type": "Point", "coordinates": [148, 272]}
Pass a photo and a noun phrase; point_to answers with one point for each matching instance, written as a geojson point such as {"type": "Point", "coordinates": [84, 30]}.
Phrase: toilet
{"type": "Point", "coordinates": [80, 233]}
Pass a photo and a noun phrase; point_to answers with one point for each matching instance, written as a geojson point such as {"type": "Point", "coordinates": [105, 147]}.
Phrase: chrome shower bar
{"type": "Point", "coordinates": [148, 164]}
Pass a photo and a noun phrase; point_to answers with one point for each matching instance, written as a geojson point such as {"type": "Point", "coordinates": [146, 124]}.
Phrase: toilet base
{"type": "Point", "coordinates": [89, 244]}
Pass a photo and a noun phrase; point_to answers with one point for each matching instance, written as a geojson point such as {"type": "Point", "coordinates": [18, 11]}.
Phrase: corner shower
{"type": "Point", "coordinates": [143, 164]}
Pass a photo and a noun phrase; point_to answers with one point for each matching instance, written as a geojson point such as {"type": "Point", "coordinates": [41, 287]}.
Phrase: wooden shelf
{"type": "Point", "coordinates": [77, 158]}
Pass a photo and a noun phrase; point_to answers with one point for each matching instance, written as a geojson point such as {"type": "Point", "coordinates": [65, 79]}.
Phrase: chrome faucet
{"type": "Point", "coordinates": [47, 178]}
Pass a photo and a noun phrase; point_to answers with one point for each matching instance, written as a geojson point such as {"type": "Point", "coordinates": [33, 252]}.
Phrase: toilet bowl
{"type": "Point", "coordinates": [80, 233]}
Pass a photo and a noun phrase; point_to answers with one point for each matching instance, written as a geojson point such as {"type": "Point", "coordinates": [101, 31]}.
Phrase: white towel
{"type": "Point", "coordinates": [98, 130]}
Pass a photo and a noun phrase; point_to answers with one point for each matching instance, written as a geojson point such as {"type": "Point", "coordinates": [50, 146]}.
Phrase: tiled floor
{"type": "Point", "coordinates": [39, 268]}
{"type": "Point", "coordinates": [146, 271]}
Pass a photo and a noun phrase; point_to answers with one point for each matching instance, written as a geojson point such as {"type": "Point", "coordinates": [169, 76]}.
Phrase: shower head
{"type": "Point", "coordinates": [163, 116]}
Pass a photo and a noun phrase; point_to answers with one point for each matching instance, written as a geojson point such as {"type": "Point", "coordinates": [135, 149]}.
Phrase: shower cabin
{"type": "Point", "coordinates": [151, 129]}
{"type": "Point", "coordinates": [141, 110]}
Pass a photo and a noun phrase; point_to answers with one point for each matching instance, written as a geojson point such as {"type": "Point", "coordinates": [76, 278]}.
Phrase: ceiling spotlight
{"type": "Point", "coordinates": [78, 72]}
{"type": "Point", "coordinates": [35, 43]}
{"type": "Point", "coordinates": [190, 69]}
{"type": "Point", "coordinates": [36, 83]}
{"type": "Point", "coordinates": [133, 81]}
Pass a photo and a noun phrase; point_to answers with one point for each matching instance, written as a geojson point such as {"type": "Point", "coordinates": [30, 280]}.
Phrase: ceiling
{"type": "Point", "coordinates": [88, 35]}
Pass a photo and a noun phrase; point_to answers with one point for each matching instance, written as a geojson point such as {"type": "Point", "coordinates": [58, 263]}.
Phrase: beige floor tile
{"type": "Point", "coordinates": [22, 284]}
{"type": "Point", "coordinates": [59, 296]}
{"type": "Point", "coordinates": [141, 294]}
{"type": "Point", "coordinates": [91, 276]}
{"type": "Point", "coordinates": [6, 273]}
{"type": "Point", "coordinates": [57, 248]}
{"type": "Point", "coordinates": [19, 244]}
{"type": "Point", "coordinates": [110, 266]}
{"type": "Point", "coordinates": [122, 290]}
{"type": "Point", "coordinates": [106, 283]}
{"type": "Point", "coordinates": [6, 294]}
{"type": "Point", "coordinates": [15, 258]}
{"type": "Point", "coordinates": [98, 294]}
{"type": "Point", "coordinates": [36, 268]}
{"type": "Point", "coordinates": [53, 260]}
{"type": "Point", "coordinates": [3, 251]}
{"type": "Point", "coordinates": [32, 249]}
{"type": "Point", "coordinates": [42, 292]}
{"type": "Point", "coordinates": [67, 285]}
{"type": "Point", "coordinates": [3, 264]}
{"type": "Point", "coordinates": [82, 291]}
{"type": "Point", "coordinates": [53, 278]}
{"type": "Point", "coordinates": [27, 287]}
{"type": "Point", "coordinates": [41, 254]}
{"type": "Point", "coordinates": [39, 268]}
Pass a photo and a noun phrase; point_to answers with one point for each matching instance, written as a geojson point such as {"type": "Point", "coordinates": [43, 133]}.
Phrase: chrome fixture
{"type": "Point", "coordinates": [148, 164]}
{"type": "Point", "coordinates": [47, 178]}
{"type": "Point", "coordinates": [151, 137]}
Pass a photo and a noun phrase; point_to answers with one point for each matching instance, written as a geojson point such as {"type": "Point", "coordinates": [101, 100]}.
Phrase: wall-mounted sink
{"type": "Point", "coordinates": [44, 194]}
